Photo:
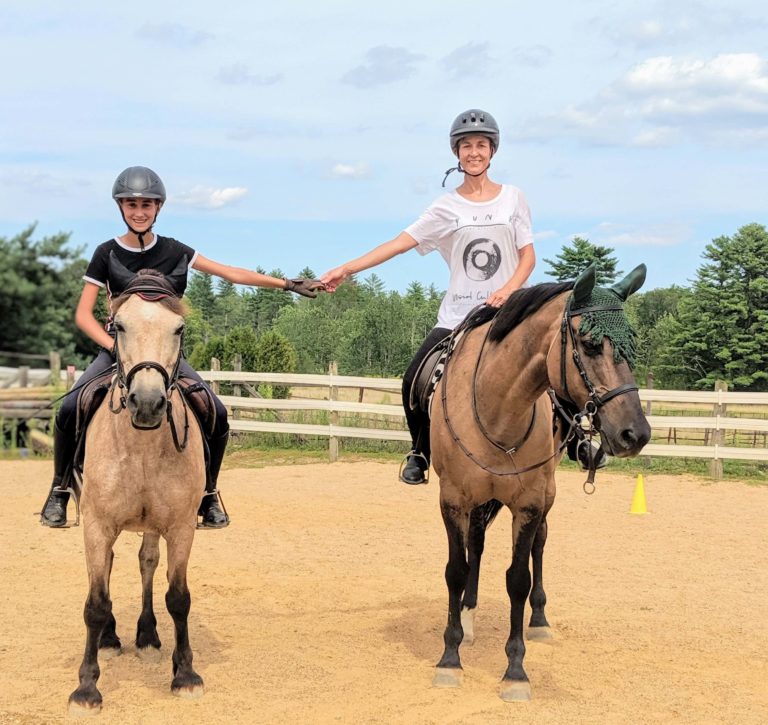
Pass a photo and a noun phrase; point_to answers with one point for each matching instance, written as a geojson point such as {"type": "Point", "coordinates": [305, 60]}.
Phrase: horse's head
{"type": "Point", "coordinates": [149, 323]}
{"type": "Point", "coordinates": [594, 367]}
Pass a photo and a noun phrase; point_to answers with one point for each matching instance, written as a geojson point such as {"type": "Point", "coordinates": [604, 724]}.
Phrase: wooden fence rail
{"type": "Point", "coordinates": [714, 425]}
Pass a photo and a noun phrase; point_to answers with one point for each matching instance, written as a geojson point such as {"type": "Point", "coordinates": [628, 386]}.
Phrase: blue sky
{"type": "Point", "coordinates": [300, 134]}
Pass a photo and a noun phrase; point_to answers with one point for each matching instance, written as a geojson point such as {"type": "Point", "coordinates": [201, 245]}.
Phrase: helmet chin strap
{"type": "Point", "coordinates": [459, 167]}
{"type": "Point", "coordinates": [139, 234]}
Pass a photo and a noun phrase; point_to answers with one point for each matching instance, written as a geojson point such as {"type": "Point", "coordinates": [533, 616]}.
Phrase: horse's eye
{"type": "Point", "coordinates": [179, 330]}
{"type": "Point", "coordinates": [119, 326]}
{"type": "Point", "coordinates": [591, 348]}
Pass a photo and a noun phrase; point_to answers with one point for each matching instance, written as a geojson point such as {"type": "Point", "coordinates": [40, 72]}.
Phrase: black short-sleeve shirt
{"type": "Point", "coordinates": [163, 254]}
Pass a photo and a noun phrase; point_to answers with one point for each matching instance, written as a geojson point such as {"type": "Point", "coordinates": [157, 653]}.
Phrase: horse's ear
{"type": "Point", "coordinates": [178, 277]}
{"type": "Point", "coordinates": [631, 283]}
{"type": "Point", "coordinates": [119, 274]}
{"type": "Point", "coordinates": [583, 286]}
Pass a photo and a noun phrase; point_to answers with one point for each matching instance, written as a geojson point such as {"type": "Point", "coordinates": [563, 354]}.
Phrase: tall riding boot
{"type": "Point", "coordinates": [55, 509]}
{"type": "Point", "coordinates": [214, 517]}
{"type": "Point", "coordinates": [416, 463]}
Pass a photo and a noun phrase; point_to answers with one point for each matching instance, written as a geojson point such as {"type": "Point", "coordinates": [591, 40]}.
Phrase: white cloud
{"type": "Point", "coordinates": [240, 74]}
{"type": "Point", "coordinates": [351, 171]}
{"type": "Point", "coordinates": [683, 22]}
{"type": "Point", "coordinates": [383, 64]}
{"type": "Point", "coordinates": [545, 234]}
{"type": "Point", "coordinates": [206, 197]}
{"type": "Point", "coordinates": [665, 99]}
{"type": "Point", "coordinates": [611, 234]}
{"type": "Point", "coordinates": [174, 34]}
{"type": "Point", "coordinates": [468, 61]}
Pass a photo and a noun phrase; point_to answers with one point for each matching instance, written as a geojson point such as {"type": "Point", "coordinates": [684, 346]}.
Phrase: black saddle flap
{"type": "Point", "coordinates": [428, 375]}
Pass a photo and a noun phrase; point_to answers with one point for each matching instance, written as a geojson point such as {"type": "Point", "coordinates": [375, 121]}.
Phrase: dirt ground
{"type": "Point", "coordinates": [324, 602]}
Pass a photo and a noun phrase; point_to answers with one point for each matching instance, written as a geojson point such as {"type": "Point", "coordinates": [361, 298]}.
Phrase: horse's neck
{"type": "Point", "coordinates": [512, 374]}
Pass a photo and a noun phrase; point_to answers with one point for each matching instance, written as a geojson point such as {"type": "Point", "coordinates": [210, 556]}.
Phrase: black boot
{"type": "Point", "coordinates": [582, 450]}
{"type": "Point", "coordinates": [54, 512]}
{"type": "Point", "coordinates": [213, 515]}
{"type": "Point", "coordinates": [413, 469]}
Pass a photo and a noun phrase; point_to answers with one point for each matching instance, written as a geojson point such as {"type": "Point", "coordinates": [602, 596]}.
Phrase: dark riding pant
{"type": "Point", "coordinates": [418, 420]}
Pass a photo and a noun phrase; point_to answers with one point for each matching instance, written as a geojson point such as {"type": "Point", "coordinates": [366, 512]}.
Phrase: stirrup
{"type": "Point", "coordinates": [199, 517]}
{"type": "Point", "coordinates": [404, 463]}
{"type": "Point", "coordinates": [72, 497]}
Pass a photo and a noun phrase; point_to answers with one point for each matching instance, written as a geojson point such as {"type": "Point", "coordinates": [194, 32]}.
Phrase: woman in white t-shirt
{"type": "Point", "coordinates": [482, 230]}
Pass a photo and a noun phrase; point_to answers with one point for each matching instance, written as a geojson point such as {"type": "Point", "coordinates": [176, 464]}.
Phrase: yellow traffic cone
{"type": "Point", "coordinates": [638, 498]}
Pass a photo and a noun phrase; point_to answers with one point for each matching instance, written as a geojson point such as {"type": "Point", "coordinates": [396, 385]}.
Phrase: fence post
{"type": "Point", "coordinates": [54, 362]}
{"type": "Point", "coordinates": [718, 435]}
{"type": "Point", "coordinates": [215, 365]}
{"type": "Point", "coordinates": [648, 410]}
{"type": "Point", "coordinates": [23, 376]}
{"type": "Point", "coordinates": [333, 394]}
{"type": "Point", "coordinates": [237, 366]}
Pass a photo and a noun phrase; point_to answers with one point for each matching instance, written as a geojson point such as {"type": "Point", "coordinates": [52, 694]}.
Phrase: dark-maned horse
{"type": "Point", "coordinates": [139, 474]}
{"type": "Point", "coordinates": [493, 444]}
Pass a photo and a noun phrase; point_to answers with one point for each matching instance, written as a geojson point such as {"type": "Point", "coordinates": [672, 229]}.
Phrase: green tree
{"type": "Point", "coordinates": [574, 259]}
{"type": "Point", "coordinates": [275, 354]}
{"type": "Point", "coordinates": [724, 323]}
{"type": "Point", "coordinates": [654, 315]}
{"type": "Point", "coordinates": [40, 283]}
{"type": "Point", "coordinates": [200, 293]}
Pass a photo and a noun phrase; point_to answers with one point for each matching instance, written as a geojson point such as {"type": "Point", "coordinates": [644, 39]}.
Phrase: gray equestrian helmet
{"type": "Point", "coordinates": [138, 182]}
{"type": "Point", "coordinates": [474, 122]}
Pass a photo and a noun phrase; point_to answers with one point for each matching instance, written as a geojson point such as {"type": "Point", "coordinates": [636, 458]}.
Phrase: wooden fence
{"type": "Point", "coordinates": [712, 425]}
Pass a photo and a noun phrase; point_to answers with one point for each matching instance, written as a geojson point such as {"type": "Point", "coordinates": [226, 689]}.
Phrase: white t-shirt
{"type": "Point", "coordinates": [479, 240]}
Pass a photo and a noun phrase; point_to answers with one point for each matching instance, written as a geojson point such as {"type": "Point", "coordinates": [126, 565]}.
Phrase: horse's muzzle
{"type": "Point", "coordinates": [147, 408]}
{"type": "Point", "coordinates": [627, 440]}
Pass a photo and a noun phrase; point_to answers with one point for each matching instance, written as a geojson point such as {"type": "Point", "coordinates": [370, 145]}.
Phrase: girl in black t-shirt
{"type": "Point", "coordinates": [140, 194]}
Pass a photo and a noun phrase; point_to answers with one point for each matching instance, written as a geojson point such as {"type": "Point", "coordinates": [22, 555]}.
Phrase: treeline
{"type": "Point", "coordinates": [716, 329]}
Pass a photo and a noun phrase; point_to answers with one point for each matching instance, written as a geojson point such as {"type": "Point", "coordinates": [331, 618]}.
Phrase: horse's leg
{"type": "Point", "coordinates": [109, 643]}
{"type": "Point", "coordinates": [147, 640]}
{"type": "Point", "coordinates": [186, 682]}
{"type": "Point", "coordinates": [479, 521]}
{"type": "Point", "coordinates": [514, 684]}
{"type": "Point", "coordinates": [86, 699]}
{"type": "Point", "coordinates": [448, 672]}
{"type": "Point", "coordinates": [538, 627]}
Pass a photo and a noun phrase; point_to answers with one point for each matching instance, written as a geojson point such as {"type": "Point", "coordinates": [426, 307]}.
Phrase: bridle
{"type": "Point", "coordinates": [566, 330]}
{"type": "Point", "coordinates": [576, 422]}
{"type": "Point", "coordinates": [149, 291]}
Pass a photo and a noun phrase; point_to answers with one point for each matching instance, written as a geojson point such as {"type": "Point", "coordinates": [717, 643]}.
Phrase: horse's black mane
{"type": "Point", "coordinates": [519, 305]}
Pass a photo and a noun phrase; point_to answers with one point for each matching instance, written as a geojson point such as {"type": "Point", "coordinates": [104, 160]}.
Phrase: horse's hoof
{"type": "Point", "coordinates": [84, 704]}
{"type": "Point", "coordinates": [468, 625]}
{"type": "Point", "coordinates": [149, 654]}
{"type": "Point", "coordinates": [539, 634]}
{"type": "Point", "coordinates": [108, 653]}
{"type": "Point", "coordinates": [189, 687]}
{"type": "Point", "coordinates": [448, 677]}
{"type": "Point", "coordinates": [515, 690]}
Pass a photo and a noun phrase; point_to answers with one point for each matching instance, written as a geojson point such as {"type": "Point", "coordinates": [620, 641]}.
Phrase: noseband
{"type": "Point", "coordinates": [123, 380]}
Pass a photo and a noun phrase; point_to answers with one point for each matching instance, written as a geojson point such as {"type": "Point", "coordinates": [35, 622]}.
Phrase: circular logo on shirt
{"type": "Point", "coordinates": [482, 259]}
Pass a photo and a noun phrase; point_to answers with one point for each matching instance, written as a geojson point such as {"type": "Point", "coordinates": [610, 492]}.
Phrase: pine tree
{"type": "Point", "coordinates": [574, 259]}
{"type": "Point", "coordinates": [724, 323]}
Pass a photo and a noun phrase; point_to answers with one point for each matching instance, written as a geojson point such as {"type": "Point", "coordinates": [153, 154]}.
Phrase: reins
{"type": "Point", "coordinates": [575, 422]}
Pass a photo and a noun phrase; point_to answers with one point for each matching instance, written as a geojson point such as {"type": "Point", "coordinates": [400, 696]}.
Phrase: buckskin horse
{"type": "Point", "coordinates": [493, 415]}
{"type": "Point", "coordinates": [141, 474]}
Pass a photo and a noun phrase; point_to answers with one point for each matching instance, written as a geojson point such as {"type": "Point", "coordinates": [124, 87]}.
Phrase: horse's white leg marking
{"type": "Point", "coordinates": [468, 625]}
